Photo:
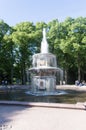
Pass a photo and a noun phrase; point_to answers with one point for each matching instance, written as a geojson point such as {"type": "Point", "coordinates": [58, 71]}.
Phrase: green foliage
{"type": "Point", "coordinates": [67, 40]}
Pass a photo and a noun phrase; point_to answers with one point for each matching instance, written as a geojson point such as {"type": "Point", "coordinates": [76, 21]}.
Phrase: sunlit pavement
{"type": "Point", "coordinates": [41, 118]}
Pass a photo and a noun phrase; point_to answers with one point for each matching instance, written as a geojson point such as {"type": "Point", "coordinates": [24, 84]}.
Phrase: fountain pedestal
{"type": "Point", "coordinates": [43, 73]}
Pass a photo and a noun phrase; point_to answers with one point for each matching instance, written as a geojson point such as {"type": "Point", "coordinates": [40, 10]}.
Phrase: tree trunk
{"type": "Point", "coordinates": [79, 73]}
{"type": "Point", "coordinates": [12, 75]}
{"type": "Point", "coordinates": [12, 67]}
{"type": "Point", "coordinates": [66, 76]}
{"type": "Point", "coordinates": [79, 69]}
{"type": "Point", "coordinates": [23, 74]}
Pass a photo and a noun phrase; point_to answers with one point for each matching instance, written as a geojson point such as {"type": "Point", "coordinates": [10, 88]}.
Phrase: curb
{"type": "Point", "coordinates": [77, 106]}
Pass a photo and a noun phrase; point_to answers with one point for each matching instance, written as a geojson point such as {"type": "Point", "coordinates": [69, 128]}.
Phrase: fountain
{"type": "Point", "coordinates": [44, 70]}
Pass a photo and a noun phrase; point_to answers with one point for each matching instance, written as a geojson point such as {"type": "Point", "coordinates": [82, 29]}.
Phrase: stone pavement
{"type": "Point", "coordinates": [14, 117]}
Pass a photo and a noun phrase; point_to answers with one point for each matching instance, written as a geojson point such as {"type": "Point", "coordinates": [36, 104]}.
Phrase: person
{"type": "Point", "coordinates": [5, 82]}
{"type": "Point", "coordinates": [77, 82]}
{"type": "Point", "coordinates": [82, 83]}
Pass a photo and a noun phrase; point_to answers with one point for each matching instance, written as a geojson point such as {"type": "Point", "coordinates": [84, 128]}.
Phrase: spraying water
{"type": "Point", "coordinates": [44, 44]}
{"type": "Point", "coordinates": [44, 71]}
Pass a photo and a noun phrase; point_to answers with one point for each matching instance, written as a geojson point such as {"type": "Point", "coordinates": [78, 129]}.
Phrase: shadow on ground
{"type": "Point", "coordinates": [6, 113]}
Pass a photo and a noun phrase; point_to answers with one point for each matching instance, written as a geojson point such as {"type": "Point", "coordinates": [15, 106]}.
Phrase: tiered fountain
{"type": "Point", "coordinates": [44, 70]}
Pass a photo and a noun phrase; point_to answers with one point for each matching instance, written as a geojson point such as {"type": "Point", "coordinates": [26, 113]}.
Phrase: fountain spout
{"type": "Point", "coordinates": [44, 44]}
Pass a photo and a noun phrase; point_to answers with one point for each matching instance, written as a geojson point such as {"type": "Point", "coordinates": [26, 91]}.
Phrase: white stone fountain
{"type": "Point", "coordinates": [43, 72]}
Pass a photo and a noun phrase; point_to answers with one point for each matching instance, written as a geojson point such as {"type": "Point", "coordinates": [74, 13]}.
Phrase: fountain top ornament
{"type": "Point", "coordinates": [44, 44]}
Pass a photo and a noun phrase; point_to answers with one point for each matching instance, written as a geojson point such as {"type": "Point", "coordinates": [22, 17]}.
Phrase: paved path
{"type": "Point", "coordinates": [40, 118]}
{"type": "Point", "coordinates": [71, 87]}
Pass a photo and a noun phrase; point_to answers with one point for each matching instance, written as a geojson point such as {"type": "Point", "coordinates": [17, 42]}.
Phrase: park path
{"type": "Point", "coordinates": [41, 118]}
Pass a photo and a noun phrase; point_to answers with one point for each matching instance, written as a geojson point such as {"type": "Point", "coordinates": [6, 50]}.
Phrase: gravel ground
{"type": "Point", "coordinates": [40, 118]}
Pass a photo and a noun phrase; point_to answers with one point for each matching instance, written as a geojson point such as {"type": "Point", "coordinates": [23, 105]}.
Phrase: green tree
{"type": "Point", "coordinates": [5, 29]}
{"type": "Point", "coordinates": [65, 46]}
{"type": "Point", "coordinates": [9, 56]}
{"type": "Point", "coordinates": [77, 38]}
{"type": "Point", "coordinates": [73, 44]}
{"type": "Point", "coordinates": [58, 39]}
{"type": "Point", "coordinates": [23, 38]}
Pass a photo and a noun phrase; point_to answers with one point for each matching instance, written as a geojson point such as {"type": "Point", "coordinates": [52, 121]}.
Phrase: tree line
{"type": "Point", "coordinates": [67, 40]}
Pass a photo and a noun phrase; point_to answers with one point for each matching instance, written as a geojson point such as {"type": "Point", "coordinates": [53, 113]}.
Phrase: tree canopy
{"type": "Point", "coordinates": [67, 40]}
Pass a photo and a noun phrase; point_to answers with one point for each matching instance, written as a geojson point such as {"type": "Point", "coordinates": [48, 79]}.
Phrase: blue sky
{"type": "Point", "coordinates": [16, 11]}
